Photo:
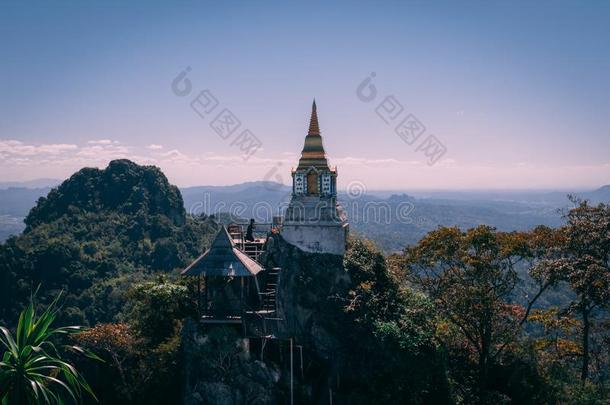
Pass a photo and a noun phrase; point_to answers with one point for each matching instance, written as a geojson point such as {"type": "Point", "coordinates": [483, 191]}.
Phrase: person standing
{"type": "Point", "coordinates": [250, 230]}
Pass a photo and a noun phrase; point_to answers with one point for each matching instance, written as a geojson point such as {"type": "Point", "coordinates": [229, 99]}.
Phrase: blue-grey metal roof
{"type": "Point", "coordinates": [223, 259]}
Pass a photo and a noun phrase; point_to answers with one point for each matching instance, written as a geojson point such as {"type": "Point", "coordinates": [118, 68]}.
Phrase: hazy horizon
{"type": "Point", "coordinates": [517, 93]}
{"type": "Point", "coordinates": [52, 182]}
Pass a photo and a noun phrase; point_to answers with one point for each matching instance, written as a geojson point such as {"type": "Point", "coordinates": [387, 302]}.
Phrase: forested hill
{"type": "Point", "coordinates": [95, 235]}
{"type": "Point", "coordinates": [123, 187]}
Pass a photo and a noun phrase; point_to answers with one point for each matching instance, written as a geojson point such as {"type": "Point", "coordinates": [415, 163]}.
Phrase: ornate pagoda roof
{"type": "Point", "coordinates": [223, 259]}
{"type": "Point", "coordinates": [313, 151]}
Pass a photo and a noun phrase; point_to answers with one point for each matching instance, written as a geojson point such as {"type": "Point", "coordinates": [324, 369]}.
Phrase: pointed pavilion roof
{"type": "Point", "coordinates": [313, 151]}
{"type": "Point", "coordinates": [223, 259]}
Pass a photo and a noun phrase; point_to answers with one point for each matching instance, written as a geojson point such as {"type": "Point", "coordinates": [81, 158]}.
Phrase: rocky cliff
{"type": "Point", "coordinates": [310, 287]}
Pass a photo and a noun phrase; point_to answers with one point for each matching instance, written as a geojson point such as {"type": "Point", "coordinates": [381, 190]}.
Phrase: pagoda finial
{"type": "Point", "coordinates": [313, 150]}
{"type": "Point", "coordinates": [314, 127]}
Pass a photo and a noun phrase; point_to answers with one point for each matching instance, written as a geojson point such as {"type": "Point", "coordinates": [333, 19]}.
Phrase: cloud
{"type": "Point", "coordinates": [17, 148]}
{"type": "Point", "coordinates": [23, 161]}
{"type": "Point", "coordinates": [176, 155]}
{"type": "Point", "coordinates": [154, 146]}
{"type": "Point", "coordinates": [360, 161]}
{"type": "Point", "coordinates": [103, 152]}
{"type": "Point", "coordinates": [102, 142]}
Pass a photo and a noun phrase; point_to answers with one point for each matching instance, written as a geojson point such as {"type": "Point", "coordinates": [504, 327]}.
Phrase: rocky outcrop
{"type": "Point", "coordinates": [254, 383]}
{"type": "Point", "coordinates": [219, 369]}
{"type": "Point", "coordinates": [310, 286]}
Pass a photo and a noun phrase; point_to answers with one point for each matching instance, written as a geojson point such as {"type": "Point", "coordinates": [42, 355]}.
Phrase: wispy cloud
{"type": "Point", "coordinates": [102, 142]}
{"type": "Point", "coordinates": [23, 161]}
{"type": "Point", "coordinates": [17, 148]}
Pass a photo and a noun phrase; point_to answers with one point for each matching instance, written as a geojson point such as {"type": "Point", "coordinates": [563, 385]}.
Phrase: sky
{"type": "Point", "coordinates": [497, 95]}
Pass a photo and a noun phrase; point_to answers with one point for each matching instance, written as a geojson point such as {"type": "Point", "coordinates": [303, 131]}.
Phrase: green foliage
{"type": "Point", "coordinates": [118, 377]}
{"type": "Point", "coordinates": [155, 310]}
{"type": "Point", "coordinates": [583, 262]}
{"type": "Point", "coordinates": [154, 307]}
{"type": "Point", "coordinates": [143, 362]}
{"type": "Point", "coordinates": [32, 369]}
{"type": "Point", "coordinates": [93, 236]}
{"type": "Point", "coordinates": [413, 328]}
{"type": "Point", "coordinates": [391, 355]}
{"type": "Point", "coordinates": [125, 187]}
{"type": "Point", "coordinates": [587, 394]}
{"type": "Point", "coordinates": [96, 236]}
{"type": "Point", "coordinates": [471, 277]}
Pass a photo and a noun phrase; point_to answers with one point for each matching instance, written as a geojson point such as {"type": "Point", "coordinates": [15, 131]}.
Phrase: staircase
{"type": "Point", "coordinates": [236, 232]}
{"type": "Point", "coordinates": [269, 295]}
{"type": "Point", "coordinates": [253, 249]}
{"type": "Point", "coordinates": [265, 321]}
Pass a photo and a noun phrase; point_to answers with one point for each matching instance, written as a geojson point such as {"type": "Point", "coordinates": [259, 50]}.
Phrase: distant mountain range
{"type": "Point", "coordinates": [601, 194]}
{"type": "Point", "coordinates": [391, 218]}
{"type": "Point", "coordinates": [36, 183]}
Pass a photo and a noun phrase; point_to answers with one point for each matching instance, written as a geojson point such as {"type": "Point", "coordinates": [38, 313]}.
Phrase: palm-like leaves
{"type": "Point", "coordinates": [32, 370]}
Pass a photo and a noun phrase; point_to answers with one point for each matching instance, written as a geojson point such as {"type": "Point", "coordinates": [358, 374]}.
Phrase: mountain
{"type": "Point", "coordinates": [94, 235]}
{"type": "Point", "coordinates": [262, 200]}
{"type": "Point", "coordinates": [235, 188]}
{"type": "Point", "coordinates": [123, 187]}
{"type": "Point", "coordinates": [393, 220]}
{"type": "Point", "coordinates": [399, 220]}
{"type": "Point", "coordinates": [36, 183]}
{"type": "Point", "coordinates": [15, 203]}
{"type": "Point", "coordinates": [10, 226]}
{"type": "Point", "coordinates": [602, 194]}
{"type": "Point", "coordinates": [18, 201]}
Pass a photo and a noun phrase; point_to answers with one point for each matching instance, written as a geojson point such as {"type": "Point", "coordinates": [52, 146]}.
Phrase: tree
{"type": "Point", "coordinates": [32, 370]}
{"type": "Point", "coordinates": [584, 263]}
{"type": "Point", "coordinates": [472, 278]}
{"type": "Point", "coordinates": [155, 311]}
{"type": "Point", "coordinates": [116, 344]}
{"type": "Point", "coordinates": [390, 352]}
{"type": "Point", "coordinates": [156, 306]}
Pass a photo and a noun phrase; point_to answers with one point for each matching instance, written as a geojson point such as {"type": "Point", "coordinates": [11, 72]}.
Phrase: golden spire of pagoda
{"type": "Point", "coordinates": [314, 127]}
{"type": "Point", "coordinates": [313, 152]}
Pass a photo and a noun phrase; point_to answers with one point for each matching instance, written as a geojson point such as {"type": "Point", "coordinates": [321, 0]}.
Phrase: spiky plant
{"type": "Point", "coordinates": [32, 371]}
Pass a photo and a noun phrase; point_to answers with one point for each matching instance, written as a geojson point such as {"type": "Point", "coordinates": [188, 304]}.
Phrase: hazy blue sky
{"type": "Point", "coordinates": [517, 92]}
